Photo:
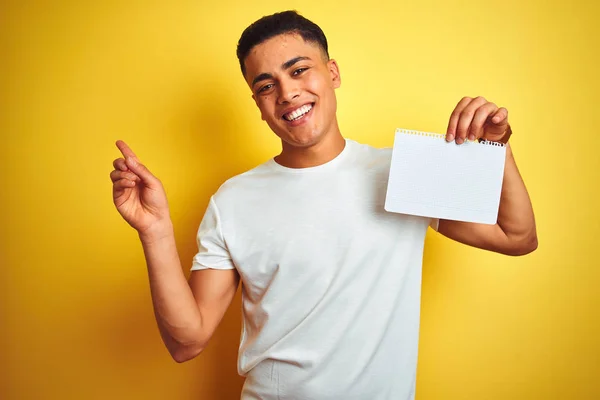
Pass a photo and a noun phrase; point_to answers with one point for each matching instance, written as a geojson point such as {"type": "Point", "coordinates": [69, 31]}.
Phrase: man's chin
{"type": "Point", "coordinates": [300, 142]}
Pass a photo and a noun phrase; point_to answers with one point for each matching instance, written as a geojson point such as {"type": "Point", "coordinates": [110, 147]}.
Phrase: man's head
{"type": "Point", "coordinates": [285, 61]}
{"type": "Point", "coordinates": [286, 22]}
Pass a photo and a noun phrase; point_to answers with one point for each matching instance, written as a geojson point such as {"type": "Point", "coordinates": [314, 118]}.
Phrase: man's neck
{"type": "Point", "coordinates": [319, 153]}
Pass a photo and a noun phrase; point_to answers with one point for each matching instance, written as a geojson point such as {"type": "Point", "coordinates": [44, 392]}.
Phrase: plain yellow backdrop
{"type": "Point", "coordinates": [76, 76]}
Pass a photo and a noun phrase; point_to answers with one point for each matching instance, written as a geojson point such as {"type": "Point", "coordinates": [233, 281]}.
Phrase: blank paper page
{"type": "Point", "coordinates": [434, 178]}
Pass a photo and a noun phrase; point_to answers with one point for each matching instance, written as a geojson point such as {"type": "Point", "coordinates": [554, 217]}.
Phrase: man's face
{"type": "Point", "coordinates": [294, 85]}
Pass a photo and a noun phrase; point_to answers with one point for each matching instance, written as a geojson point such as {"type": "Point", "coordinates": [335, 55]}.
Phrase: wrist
{"type": "Point", "coordinates": [506, 135]}
{"type": "Point", "coordinates": [156, 232]}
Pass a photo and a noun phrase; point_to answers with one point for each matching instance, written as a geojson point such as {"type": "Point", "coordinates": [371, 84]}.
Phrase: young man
{"type": "Point", "coordinates": [331, 282]}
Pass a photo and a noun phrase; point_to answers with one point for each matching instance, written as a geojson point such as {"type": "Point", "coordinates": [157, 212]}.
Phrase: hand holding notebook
{"type": "Point", "coordinates": [458, 178]}
{"type": "Point", "coordinates": [435, 178]}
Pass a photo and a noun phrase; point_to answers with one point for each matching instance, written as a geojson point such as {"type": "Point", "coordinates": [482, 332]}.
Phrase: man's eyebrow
{"type": "Point", "coordinates": [264, 76]}
{"type": "Point", "coordinates": [293, 61]}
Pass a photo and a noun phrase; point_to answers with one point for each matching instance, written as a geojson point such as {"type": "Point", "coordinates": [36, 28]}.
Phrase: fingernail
{"type": "Point", "coordinates": [459, 140]}
{"type": "Point", "coordinates": [471, 137]}
{"type": "Point", "coordinates": [449, 137]}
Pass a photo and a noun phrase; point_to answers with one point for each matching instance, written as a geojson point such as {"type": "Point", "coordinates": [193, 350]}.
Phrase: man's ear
{"type": "Point", "coordinates": [334, 72]}
{"type": "Point", "coordinates": [256, 102]}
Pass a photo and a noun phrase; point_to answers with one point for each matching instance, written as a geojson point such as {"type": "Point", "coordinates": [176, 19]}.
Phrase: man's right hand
{"type": "Point", "coordinates": [138, 195]}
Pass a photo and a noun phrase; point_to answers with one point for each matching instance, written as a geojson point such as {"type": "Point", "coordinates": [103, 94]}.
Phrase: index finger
{"type": "Point", "coordinates": [125, 150]}
{"type": "Point", "coordinates": [455, 116]}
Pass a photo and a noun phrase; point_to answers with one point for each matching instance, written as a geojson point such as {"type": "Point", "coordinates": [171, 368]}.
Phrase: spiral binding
{"type": "Point", "coordinates": [442, 136]}
{"type": "Point", "coordinates": [490, 143]}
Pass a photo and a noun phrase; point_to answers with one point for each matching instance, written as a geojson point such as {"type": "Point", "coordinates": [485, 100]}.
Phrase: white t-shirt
{"type": "Point", "coordinates": [331, 281]}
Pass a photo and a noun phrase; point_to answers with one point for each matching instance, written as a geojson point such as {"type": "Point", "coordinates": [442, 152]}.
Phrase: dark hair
{"type": "Point", "coordinates": [277, 24]}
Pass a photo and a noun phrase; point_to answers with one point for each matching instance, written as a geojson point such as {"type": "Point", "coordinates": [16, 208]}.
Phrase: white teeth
{"type": "Point", "coordinates": [294, 115]}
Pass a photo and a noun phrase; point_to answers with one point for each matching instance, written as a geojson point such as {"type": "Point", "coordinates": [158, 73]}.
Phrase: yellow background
{"type": "Point", "coordinates": [76, 76]}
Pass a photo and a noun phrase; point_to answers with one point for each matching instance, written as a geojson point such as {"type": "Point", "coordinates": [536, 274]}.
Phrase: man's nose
{"type": "Point", "coordinates": [288, 91]}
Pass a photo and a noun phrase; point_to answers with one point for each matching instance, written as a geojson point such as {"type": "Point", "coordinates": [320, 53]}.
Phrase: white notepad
{"type": "Point", "coordinates": [433, 178]}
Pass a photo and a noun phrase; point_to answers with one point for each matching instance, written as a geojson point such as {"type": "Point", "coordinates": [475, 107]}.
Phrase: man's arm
{"type": "Point", "coordinates": [515, 232]}
{"type": "Point", "coordinates": [187, 313]}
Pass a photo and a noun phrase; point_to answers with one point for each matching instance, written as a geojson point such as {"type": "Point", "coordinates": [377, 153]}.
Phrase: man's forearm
{"type": "Point", "coordinates": [515, 216]}
{"type": "Point", "coordinates": [177, 314]}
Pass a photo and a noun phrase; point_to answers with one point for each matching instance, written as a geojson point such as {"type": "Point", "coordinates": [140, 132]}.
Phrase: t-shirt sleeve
{"type": "Point", "coordinates": [434, 224]}
{"type": "Point", "coordinates": [212, 250]}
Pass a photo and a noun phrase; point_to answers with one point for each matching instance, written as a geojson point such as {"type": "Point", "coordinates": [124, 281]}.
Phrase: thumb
{"type": "Point", "coordinates": [140, 170]}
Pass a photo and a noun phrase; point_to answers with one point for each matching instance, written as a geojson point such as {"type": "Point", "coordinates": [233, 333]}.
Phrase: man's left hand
{"type": "Point", "coordinates": [475, 118]}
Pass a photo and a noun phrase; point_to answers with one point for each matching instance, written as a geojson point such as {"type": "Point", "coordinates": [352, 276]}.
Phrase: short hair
{"type": "Point", "coordinates": [276, 24]}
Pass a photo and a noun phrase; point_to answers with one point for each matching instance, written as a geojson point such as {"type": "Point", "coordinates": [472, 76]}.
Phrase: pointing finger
{"type": "Point", "coordinates": [125, 150]}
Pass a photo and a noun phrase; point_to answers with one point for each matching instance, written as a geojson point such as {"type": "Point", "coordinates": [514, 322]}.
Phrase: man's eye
{"type": "Point", "coordinates": [265, 88]}
{"type": "Point", "coordinates": [299, 71]}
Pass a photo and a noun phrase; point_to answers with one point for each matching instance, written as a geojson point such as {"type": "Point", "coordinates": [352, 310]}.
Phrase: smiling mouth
{"type": "Point", "coordinates": [298, 113]}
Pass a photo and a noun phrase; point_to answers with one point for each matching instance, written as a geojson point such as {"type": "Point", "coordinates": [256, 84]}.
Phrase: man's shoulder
{"type": "Point", "coordinates": [371, 155]}
{"type": "Point", "coordinates": [239, 185]}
